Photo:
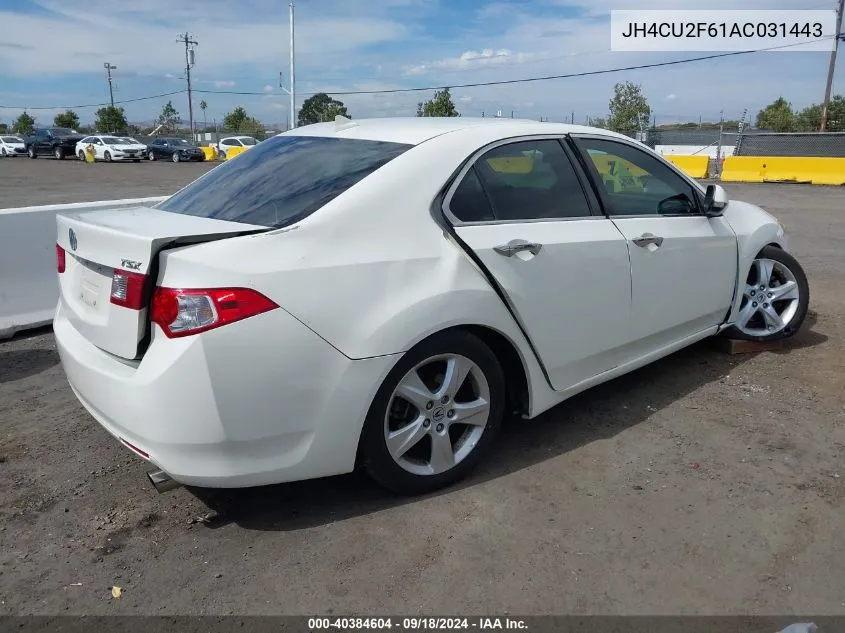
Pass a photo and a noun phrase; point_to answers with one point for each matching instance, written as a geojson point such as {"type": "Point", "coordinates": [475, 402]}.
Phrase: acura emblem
{"type": "Point", "coordinates": [72, 237]}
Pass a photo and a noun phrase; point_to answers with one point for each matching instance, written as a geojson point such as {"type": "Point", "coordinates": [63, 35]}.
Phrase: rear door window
{"type": "Point", "coordinates": [282, 180]}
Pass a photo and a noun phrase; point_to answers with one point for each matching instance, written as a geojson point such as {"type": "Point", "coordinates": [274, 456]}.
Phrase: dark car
{"type": "Point", "coordinates": [176, 149]}
{"type": "Point", "coordinates": [52, 141]}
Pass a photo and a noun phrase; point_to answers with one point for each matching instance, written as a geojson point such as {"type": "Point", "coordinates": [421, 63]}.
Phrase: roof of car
{"type": "Point", "coordinates": [415, 130]}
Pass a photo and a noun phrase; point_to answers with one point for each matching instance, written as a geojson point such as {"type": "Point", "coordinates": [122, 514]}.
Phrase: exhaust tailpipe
{"type": "Point", "coordinates": [162, 482]}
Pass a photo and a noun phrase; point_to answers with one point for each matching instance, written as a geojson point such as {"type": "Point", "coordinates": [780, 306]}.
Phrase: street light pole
{"type": "Point", "coordinates": [110, 68]}
{"type": "Point", "coordinates": [292, 71]}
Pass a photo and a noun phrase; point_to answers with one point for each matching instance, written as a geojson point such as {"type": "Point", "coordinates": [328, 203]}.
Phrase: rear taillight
{"type": "Point", "coordinates": [182, 312]}
{"type": "Point", "coordinates": [60, 259]}
{"type": "Point", "coordinates": [127, 289]}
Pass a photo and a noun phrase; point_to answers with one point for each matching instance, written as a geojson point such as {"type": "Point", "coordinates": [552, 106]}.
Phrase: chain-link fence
{"type": "Point", "coordinates": [751, 142]}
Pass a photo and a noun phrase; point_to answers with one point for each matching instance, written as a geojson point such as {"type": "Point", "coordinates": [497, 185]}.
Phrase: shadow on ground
{"type": "Point", "coordinates": [19, 364]}
{"type": "Point", "coordinates": [597, 414]}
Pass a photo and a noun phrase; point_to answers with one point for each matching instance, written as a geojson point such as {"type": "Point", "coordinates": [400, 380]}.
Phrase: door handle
{"type": "Point", "coordinates": [517, 246]}
{"type": "Point", "coordinates": [647, 238]}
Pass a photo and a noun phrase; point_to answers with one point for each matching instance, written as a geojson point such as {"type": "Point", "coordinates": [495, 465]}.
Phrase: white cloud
{"type": "Point", "coordinates": [73, 48]}
{"type": "Point", "coordinates": [470, 60]}
{"type": "Point", "coordinates": [221, 83]}
{"type": "Point", "coordinates": [268, 88]}
{"type": "Point", "coordinates": [671, 97]}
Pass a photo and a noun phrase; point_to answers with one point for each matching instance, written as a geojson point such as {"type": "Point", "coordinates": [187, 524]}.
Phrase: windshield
{"type": "Point", "coordinates": [61, 131]}
{"type": "Point", "coordinates": [111, 140]}
{"type": "Point", "coordinates": [178, 141]}
{"type": "Point", "coordinates": [282, 180]}
{"type": "Point", "coordinates": [248, 141]}
{"type": "Point", "coordinates": [12, 139]}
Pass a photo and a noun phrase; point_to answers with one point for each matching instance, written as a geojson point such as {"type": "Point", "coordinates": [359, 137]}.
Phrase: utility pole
{"type": "Point", "coordinates": [292, 71]}
{"type": "Point", "coordinates": [189, 62]}
{"type": "Point", "coordinates": [832, 67]}
{"type": "Point", "coordinates": [110, 68]}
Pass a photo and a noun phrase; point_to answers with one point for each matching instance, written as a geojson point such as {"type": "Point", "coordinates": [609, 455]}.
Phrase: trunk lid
{"type": "Point", "coordinates": [110, 267]}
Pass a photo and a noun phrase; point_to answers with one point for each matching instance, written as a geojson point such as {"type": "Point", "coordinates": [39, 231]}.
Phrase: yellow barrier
{"type": "Point", "coordinates": [234, 152]}
{"type": "Point", "coordinates": [209, 152]}
{"type": "Point", "coordinates": [512, 164]}
{"type": "Point", "coordinates": [694, 166]}
{"type": "Point", "coordinates": [801, 169]}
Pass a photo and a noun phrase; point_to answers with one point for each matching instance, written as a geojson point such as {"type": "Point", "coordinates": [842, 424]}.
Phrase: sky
{"type": "Point", "coordinates": [52, 54]}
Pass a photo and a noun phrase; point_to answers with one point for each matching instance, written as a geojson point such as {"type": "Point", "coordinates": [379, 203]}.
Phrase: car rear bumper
{"type": "Point", "coordinates": [258, 402]}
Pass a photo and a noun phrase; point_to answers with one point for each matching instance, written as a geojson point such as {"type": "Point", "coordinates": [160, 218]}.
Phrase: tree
{"type": "Point", "coordinates": [169, 118]}
{"type": "Point", "coordinates": [320, 107]}
{"type": "Point", "coordinates": [602, 123]}
{"type": "Point", "coordinates": [68, 119]}
{"type": "Point", "coordinates": [111, 119]}
{"type": "Point", "coordinates": [203, 107]}
{"type": "Point", "coordinates": [24, 124]}
{"type": "Point", "coordinates": [439, 105]}
{"type": "Point", "coordinates": [777, 116]}
{"type": "Point", "coordinates": [810, 118]}
{"type": "Point", "coordinates": [629, 109]}
{"type": "Point", "coordinates": [239, 121]}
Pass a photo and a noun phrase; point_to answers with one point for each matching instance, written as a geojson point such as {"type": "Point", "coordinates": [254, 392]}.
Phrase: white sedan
{"type": "Point", "coordinates": [228, 143]}
{"type": "Point", "coordinates": [112, 148]}
{"type": "Point", "coordinates": [383, 292]}
{"type": "Point", "coordinates": [11, 146]}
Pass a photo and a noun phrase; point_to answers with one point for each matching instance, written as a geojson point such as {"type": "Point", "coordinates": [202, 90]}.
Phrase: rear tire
{"type": "Point", "coordinates": [776, 298]}
{"type": "Point", "coordinates": [81, 156]}
{"type": "Point", "coordinates": [462, 421]}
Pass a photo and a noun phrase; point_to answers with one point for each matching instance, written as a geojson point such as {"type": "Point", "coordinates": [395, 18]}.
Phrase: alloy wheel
{"type": "Point", "coordinates": [770, 299]}
{"type": "Point", "coordinates": [437, 414]}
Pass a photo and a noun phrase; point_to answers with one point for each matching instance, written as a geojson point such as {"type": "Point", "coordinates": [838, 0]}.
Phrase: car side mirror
{"type": "Point", "coordinates": [715, 201]}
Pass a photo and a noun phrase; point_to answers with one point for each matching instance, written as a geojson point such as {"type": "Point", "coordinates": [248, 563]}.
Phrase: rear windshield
{"type": "Point", "coordinates": [282, 180]}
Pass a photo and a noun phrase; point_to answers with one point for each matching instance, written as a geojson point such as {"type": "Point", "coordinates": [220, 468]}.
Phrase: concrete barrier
{"type": "Point", "coordinates": [694, 166]}
{"type": "Point", "coordinates": [704, 150]}
{"type": "Point", "coordinates": [210, 153]}
{"type": "Point", "coordinates": [234, 151]}
{"type": "Point", "coordinates": [29, 285]}
{"type": "Point", "coordinates": [810, 170]}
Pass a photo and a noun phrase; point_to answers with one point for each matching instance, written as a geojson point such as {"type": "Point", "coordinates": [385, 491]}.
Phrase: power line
{"type": "Point", "coordinates": [93, 105]}
{"type": "Point", "coordinates": [543, 78]}
{"type": "Point", "coordinates": [501, 82]}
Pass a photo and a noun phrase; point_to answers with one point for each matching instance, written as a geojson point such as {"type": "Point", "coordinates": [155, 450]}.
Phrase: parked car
{"type": "Point", "coordinates": [175, 149]}
{"type": "Point", "coordinates": [383, 292]}
{"type": "Point", "coordinates": [229, 142]}
{"type": "Point", "coordinates": [11, 146]}
{"type": "Point", "coordinates": [53, 141]}
{"type": "Point", "coordinates": [112, 148]}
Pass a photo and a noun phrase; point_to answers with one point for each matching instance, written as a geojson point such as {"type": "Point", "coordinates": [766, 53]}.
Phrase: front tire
{"type": "Point", "coordinates": [175, 157]}
{"type": "Point", "coordinates": [151, 155]}
{"type": "Point", "coordinates": [32, 153]}
{"type": "Point", "coordinates": [59, 153]}
{"type": "Point", "coordinates": [436, 415]}
{"type": "Point", "coordinates": [81, 156]}
{"type": "Point", "coordinates": [776, 297]}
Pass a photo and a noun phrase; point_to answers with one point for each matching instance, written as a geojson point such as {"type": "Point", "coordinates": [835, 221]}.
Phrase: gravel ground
{"type": "Point", "coordinates": [703, 483]}
{"type": "Point", "coordinates": [25, 182]}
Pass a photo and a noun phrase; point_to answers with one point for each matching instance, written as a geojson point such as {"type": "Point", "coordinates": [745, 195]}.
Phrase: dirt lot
{"type": "Point", "coordinates": [703, 483]}
{"type": "Point", "coordinates": [25, 182]}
